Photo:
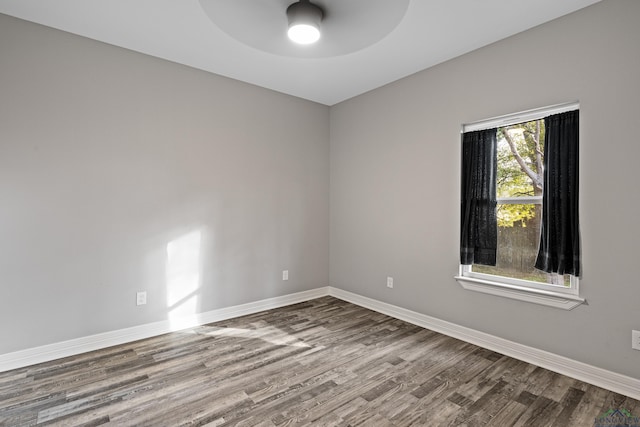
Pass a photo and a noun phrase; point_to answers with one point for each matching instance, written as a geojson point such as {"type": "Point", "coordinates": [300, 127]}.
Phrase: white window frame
{"type": "Point", "coordinates": [524, 290]}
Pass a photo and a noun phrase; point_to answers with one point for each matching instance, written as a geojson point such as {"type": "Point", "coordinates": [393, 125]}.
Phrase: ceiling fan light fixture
{"type": "Point", "coordinates": [304, 22]}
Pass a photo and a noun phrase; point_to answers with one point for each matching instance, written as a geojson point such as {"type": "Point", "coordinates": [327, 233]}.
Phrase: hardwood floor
{"type": "Point", "coordinates": [325, 362]}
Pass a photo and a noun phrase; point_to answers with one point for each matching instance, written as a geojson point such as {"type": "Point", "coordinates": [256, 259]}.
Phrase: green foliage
{"type": "Point", "coordinates": [519, 178]}
{"type": "Point", "coordinates": [512, 215]}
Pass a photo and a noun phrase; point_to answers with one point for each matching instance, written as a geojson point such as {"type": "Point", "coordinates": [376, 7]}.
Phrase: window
{"type": "Point", "coordinates": [501, 257]}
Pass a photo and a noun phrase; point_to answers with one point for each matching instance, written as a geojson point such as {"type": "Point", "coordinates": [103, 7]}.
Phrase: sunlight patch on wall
{"type": "Point", "coordinates": [183, 279]}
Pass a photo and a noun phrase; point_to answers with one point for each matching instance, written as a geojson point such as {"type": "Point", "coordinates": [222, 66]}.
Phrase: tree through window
{"type": "Point", "coordinates": [519, 221]}
{"type": "Point", "coordinates": [519, 187]}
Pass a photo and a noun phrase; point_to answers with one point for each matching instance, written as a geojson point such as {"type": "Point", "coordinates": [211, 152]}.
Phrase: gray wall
{"type": "Point", "coordinates": [395, 155]}
{"type": "Point", "coordinates": [111, 160]}
{"type": "Point", "coordinates": [120, 172]}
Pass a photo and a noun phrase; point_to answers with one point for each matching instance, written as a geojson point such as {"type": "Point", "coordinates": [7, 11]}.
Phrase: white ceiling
{"type": "Point", "coordinates": [430, 32]}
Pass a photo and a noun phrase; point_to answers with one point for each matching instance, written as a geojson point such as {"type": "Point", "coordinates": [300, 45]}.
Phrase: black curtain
{"type": "Point", "coordinates": [479, 226]}
{"type": "Point", "coordinates": [560, 231]}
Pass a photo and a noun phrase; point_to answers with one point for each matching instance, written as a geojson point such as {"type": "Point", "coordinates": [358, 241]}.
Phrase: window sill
{"type": "Point", "coordinates": [535, 296]}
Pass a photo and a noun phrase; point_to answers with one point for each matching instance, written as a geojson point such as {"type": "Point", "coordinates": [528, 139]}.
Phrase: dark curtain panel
{"type": "Point", "coordinates": [479, 226]}
{"type": "Point", "coordinates": [560, 231]}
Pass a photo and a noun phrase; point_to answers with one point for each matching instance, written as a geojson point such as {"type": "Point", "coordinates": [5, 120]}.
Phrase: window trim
{"type": "Point", "coordinates": [467, 272]}
{"type": "Point", "coordinates": [523, 290]}
{"type": "Point", "coordinates": [549, 298]}
{"type": "Point", "coordinates": [520, 200]}
{"type": "Point", "coordinates": [521, 117]}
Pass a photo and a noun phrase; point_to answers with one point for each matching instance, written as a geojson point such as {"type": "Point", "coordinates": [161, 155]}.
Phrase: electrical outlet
{"type": "Point", "coordinates": [635, 340]}
{"type": "Point", "coordinates": [285, 274]}
{"type": "Point", "coordinates": [389, 282]}
{"type": "Point", "coordinates": [141, 298]}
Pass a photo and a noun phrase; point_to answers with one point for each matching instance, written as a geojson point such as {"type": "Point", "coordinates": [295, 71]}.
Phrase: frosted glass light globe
{"type": "Point", "coordinates": [303, 34]}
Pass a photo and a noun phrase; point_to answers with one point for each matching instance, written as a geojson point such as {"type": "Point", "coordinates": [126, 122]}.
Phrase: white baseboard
{"type": "Point", "coordinates": [46, 353]}
{"type": "Point", "coordinates": [581, 371]}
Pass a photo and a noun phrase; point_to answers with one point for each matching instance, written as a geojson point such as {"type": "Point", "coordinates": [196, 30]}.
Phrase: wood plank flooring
{"type": "Point", "coordinates": [325, 362]}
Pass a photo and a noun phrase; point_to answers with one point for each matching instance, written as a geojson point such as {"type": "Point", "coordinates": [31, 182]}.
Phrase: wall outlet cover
{"type": "Point", "coordinates": [141, 298]}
